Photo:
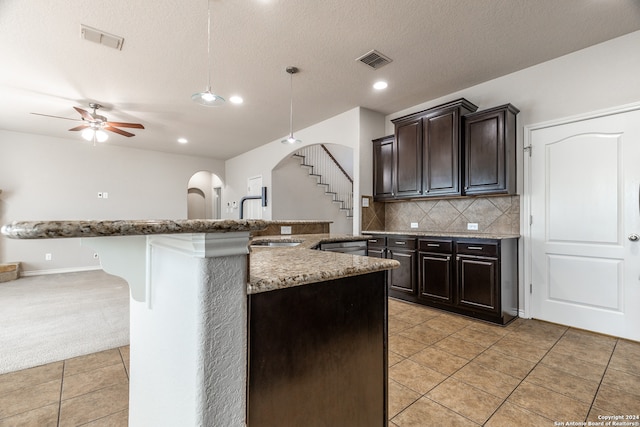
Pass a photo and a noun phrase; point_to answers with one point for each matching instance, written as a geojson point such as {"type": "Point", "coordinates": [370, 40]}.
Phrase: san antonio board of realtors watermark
{"type": "Point", "coordinates": [605, 421]}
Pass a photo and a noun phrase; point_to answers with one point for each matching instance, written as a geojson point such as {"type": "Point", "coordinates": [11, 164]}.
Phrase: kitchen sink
{"type": "Point", "coordinates": [274, 244]}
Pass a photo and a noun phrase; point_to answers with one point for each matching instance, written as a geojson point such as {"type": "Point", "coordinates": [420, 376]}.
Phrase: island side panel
{"type": "Point", "coordinates": [318, 354]}
{"type": "Point", "coordinates": [188, 341]}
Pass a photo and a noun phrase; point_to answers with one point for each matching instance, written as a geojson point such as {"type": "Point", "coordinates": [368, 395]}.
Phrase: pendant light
{"type": "Point", "coordinates": [208, 98]}
{"type": "Point", "coordinates": [291, 139]}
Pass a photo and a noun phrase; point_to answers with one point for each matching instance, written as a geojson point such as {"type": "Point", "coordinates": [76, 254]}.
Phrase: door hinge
{"type": "Point", "coordinates": [530, 288]}
{"type": "Point", "coordinates": [528, 149]}
{"type": "Point", "coordinates": [530, 219]}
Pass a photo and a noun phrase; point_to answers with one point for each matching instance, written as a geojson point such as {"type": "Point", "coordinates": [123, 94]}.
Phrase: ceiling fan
{"type": "Point", "coordinates": [94, 126]}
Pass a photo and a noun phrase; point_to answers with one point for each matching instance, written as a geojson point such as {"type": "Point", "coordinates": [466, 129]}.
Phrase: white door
{"type": "Point", "coordinates": [585, 207]}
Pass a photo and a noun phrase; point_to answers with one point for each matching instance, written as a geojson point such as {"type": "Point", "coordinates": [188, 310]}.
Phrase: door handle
{"type": "Point", "coordinates": [634, 237]}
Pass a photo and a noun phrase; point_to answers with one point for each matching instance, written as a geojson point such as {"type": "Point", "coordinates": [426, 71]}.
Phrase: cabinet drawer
{"type": "Point", "coordinates": [477, 248]}
{"type": "Point", "coordinates": [376, 242]}
{"type": "Point", "coordinates": [401, 243]}
{"type": "Point", "coordinates": [438, 246]}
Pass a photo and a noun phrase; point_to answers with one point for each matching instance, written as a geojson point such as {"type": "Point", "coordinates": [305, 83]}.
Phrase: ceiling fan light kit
{"type": "Point", "coordinates": [94, 125]}
{"type": "Point", "coordinates": [208, 98]}
{"type": "Point", "coordinates": [291, 139]}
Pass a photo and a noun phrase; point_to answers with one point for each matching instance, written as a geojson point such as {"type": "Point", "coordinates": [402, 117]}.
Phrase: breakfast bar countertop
{"type": "Point", "coordinates": [57, 229]}
{"type": "Point", "coordinates": [274, 268]}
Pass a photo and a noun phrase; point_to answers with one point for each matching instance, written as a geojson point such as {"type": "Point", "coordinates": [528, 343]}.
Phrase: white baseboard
{"type": "Point", "coordinates": [58, 271]}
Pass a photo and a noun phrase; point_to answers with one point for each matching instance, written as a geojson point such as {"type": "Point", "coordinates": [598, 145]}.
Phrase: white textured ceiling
{"type": "Point", "coordinates": [437, 47]}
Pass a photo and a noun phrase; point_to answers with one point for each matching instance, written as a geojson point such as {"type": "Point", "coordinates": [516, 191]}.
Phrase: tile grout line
{"type": "Point", "coordinates": [595, 395]}
{"type": "Point", "coordinates": [524, 378]}
{"type": "Point", "coordinates": [64, 365]}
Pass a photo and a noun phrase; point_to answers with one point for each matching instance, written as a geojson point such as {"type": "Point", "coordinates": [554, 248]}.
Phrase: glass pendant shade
{"type": "Point", "coordinates": [291, 140]}
{"type": "Point", "coordinates": [207, 98]}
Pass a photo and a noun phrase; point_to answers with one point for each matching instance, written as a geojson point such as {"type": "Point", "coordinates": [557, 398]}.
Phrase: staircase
{"type": "Point", "coordinates": [329, 174]}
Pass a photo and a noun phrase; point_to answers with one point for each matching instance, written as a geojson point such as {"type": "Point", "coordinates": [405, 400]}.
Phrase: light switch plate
{"type": "Point", "coordinates": [414, 225]}
{"type": "Point", "coordinates": [285, 229]}
{"type": "Point", "coordinates": [472, 226]}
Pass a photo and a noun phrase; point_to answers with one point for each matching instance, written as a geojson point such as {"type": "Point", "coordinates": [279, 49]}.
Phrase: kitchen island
{"type": "Point", "coordinates": [194, 288]}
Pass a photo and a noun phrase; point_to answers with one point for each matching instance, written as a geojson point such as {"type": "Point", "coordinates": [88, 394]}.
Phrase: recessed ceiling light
{"type": "Point", "coordinates": [182, 140]}
{"type": "Point", "coordinates": [236, 99]}
{"type": "Point", "coordinates": [380, 85]}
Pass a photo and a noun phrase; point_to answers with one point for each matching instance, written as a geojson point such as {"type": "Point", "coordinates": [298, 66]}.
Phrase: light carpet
{"type": "Point", "coordinates": [53, 317]}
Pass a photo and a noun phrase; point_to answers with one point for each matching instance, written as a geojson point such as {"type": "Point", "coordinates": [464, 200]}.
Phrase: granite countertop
{"type": "Point", "coordinates": [274, 268]}
{"type": "Point", "coordinates": [98, 228]}
{"type": "Point", "coordinates": [497, 236]}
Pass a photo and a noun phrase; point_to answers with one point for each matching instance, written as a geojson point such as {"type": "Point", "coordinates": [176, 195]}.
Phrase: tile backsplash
{"type": "Point", "coordinates": [493, 214]}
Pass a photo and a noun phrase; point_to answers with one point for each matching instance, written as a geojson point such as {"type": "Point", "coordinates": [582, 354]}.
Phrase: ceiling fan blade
{"type": "Point", "coordinates": [84, 114]}
{"type": "Point", "coordinates": [125, 125]}
{"type": "Point", "coordinates": [56, 117]}
{"type": "Point", "coordinates": [81, 127]}
{"type": "Point", "coordinates": [120, 131]}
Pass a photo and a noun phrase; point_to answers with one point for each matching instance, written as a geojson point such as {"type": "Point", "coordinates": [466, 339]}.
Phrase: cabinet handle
{"type": "Point", "coordinates": [401, 243]}
{"type": "Point", "coordinates": [478, 248]}
{"type": "Point", "coordinates": [373, 241]}
{"type": "Point", "coordinates": [433, 245]}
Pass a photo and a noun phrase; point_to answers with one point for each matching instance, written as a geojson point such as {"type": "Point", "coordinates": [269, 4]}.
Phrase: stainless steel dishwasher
{"type": "Point", "coordinates": [358, 247]}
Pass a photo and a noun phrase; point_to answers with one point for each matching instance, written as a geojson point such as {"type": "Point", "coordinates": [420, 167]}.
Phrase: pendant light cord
{"type": "Point", "coordinates": [291, 104]}
{"type": "Point", "coordinates": [209, 45]}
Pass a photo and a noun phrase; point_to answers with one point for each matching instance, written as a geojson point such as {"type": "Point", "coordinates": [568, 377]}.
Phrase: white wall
{"type": "Point", "coordinates": [296, 195]}
{"type": "Point", "coordinates": [341, 129]}
{"type": "Point", "coordinates": [45, 178]}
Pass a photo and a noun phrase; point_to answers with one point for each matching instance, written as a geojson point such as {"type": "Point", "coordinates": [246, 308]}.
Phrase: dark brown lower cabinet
{"type": "Point", "coordinates": [487, 278]}
{"type": "Point", "coordinates": [403, 281]}
{"type": "Point", "coordinates": [318, 354]}
{"type": "Point", "coordinates": [435, 273]}
{"type": "Point", "coordinates": [475, 277]}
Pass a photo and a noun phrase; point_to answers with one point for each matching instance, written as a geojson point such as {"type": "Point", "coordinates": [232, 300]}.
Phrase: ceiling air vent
{"type": "Point", "coordinates": [102, 37]}
{"type": "Point", "coordinates": [374, 59]}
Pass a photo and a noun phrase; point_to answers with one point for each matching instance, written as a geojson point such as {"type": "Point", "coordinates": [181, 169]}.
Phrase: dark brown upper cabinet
{"type": "Point", "coordinates": [427, 151]}
{"type": "Point", "coordinates": [383, 168]}
{"type": "Point", "coordinates": [408, 159]}
{"type": "Point", "coordinates": [490, 151]}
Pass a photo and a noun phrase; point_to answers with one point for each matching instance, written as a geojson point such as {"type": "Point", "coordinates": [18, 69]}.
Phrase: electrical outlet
{"type": "Point", "coordinates": [285, 230]}
{"type": "Point", "coordinates": [47, 257]}
{"type": "Point", "coordinates": [105, 195]}
{"type": "Point", "coordinates": [472, 226]}
{"type": "Point", "coordinates": [414, 225]}
{"type": "Point", "coordinates": [365, 202]}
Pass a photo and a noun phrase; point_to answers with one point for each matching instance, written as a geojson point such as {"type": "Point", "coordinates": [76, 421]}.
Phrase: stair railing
{"type": "Point", "coordinates": [330, 174]}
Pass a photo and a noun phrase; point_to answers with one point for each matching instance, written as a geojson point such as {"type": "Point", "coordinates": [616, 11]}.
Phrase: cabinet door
{"type": "Point", "coordinates": [442, 154]}
{"type": "Point", "coordinates": [383, 168]}
{"type": "Point", "coordinates": [490, 152]}
{"type": "Point", "coordinates": [435, 277]}
{"type": "Point", "coordinates": [478, 283]}
{"type": "Point", "coordinates": [408, 159]}
{"type": "Point", "coordinates": [403, 278]}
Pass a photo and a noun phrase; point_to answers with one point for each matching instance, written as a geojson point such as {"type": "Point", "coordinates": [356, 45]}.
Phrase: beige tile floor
{"type": "Point", "coordinates": [444, 370]}
{"type": "Point", "coordinates": [448, 370]}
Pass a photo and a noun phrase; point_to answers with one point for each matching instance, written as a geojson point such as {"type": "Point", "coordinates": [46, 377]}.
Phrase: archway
{"type": "Point", "coordinates": [296, 193]}
{"type": "Point", "coordinates": [204, 193]}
